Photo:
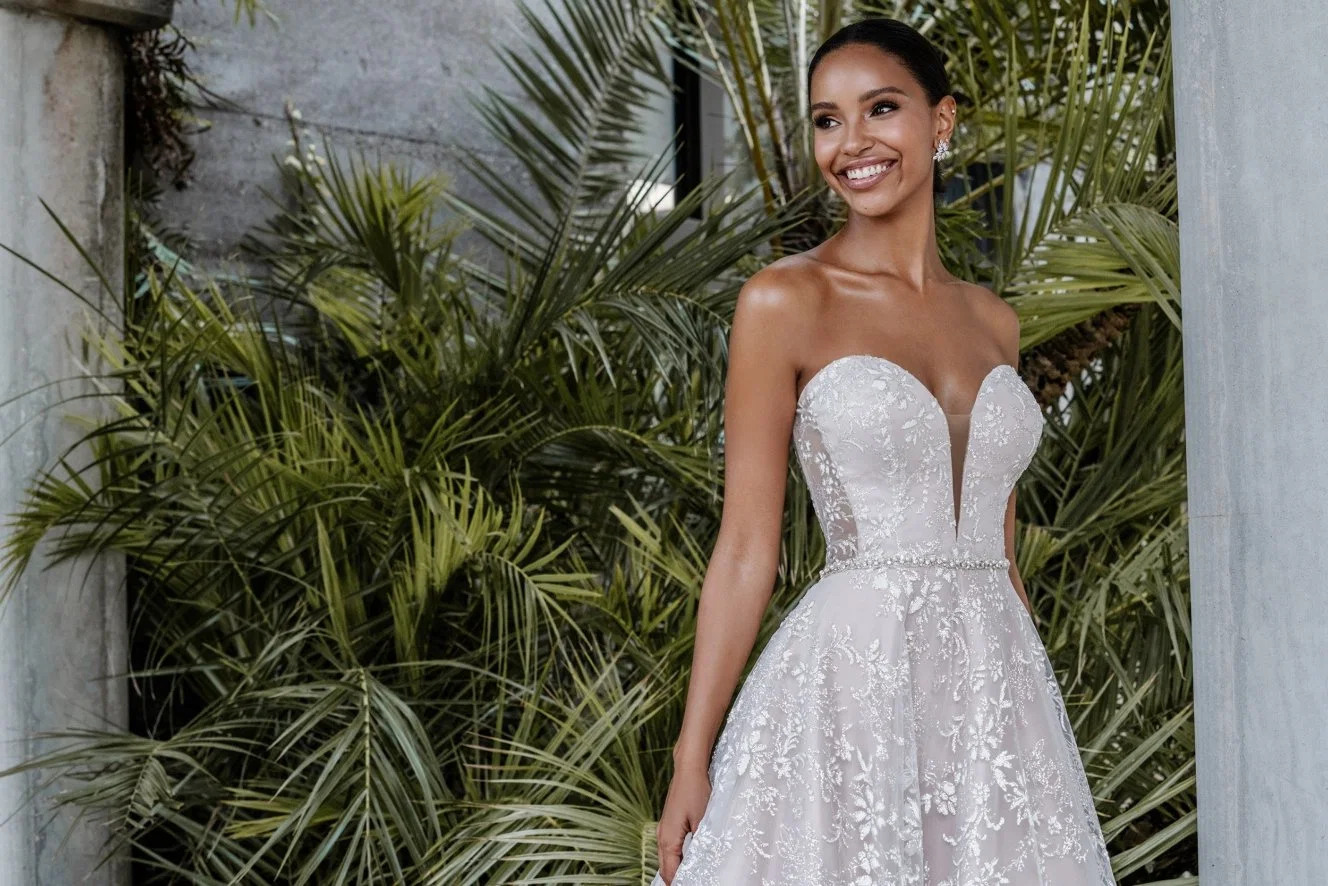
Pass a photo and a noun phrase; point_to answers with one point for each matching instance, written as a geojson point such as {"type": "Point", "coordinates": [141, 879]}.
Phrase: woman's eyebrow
{"type": "Point", "coordinates": [871, 93]}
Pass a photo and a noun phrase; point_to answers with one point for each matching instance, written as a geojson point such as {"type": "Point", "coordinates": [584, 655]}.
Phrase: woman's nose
{"type": "Point", "coordinates": [856, 137]}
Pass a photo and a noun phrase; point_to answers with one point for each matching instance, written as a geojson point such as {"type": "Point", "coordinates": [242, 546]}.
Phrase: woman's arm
{"type": "Point", "coordinates": [759, 404]}
{"type": "Point", "coordinates": [1009, 320]}
{"type": "Point", "coordinates": [1015, 578]}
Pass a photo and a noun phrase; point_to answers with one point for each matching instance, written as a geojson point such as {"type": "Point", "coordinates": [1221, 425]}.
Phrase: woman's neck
{"type": "Point", "coordinates": [901, 244]}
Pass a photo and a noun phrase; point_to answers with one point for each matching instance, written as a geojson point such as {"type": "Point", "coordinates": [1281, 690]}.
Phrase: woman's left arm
{"type": "Point", "coordinates": [1015, 579]}
{"type": "Point", "coordinates": [1007, 321]}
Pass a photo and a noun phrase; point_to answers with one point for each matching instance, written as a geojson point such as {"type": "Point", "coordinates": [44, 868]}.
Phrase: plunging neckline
{"type": "Point", "coordinates": [955, 493]}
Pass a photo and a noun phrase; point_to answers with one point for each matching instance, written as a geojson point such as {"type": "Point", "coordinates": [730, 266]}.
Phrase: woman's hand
{"type": "Point", "coordinates": [689, 792]}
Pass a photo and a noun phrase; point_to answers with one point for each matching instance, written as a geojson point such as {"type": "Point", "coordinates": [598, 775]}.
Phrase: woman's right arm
{"type": "Point", "coordinates": [759, 404]}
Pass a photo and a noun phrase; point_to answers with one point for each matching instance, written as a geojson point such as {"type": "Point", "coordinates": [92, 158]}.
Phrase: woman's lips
{"type": "Point", "coordinates": [859, 184]}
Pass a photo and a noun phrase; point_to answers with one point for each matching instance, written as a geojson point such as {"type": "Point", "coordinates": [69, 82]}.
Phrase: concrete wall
{"type": "Point", "coordinates": [1254, 221]}
{"type": "Point", "coordinates": [390, 79]}
{"type": "Point", "coordinates": [62, 631]}
{"type": "Point", "coordinates": [387, 78]}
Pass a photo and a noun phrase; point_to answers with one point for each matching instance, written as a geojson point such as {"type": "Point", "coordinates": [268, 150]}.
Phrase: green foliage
{"type": "Point", "coordinates": [416, 543]}
{"type": "Point", "coordinates": [162, 93]}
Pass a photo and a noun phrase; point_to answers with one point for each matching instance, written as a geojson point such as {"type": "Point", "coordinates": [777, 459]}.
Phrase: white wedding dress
{"type": "Point", "coordinates": [903, 726]}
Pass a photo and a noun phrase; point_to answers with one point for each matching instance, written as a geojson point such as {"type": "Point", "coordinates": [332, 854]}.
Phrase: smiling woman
{"type": "Point", "coordinates": [904, 724]}
{"type": "Point", "coordinates": [923, 88]}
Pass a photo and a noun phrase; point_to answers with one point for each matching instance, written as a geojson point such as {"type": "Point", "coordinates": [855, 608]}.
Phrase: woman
{"type": "Point", "coordinates": [903, 725]}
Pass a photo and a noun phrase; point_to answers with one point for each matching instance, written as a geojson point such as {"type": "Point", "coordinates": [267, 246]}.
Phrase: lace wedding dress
{"type": "Point", "coordinates": [903, 725]}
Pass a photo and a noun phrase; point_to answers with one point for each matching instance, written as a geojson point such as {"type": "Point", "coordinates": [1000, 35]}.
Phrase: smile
{"type": "Point", "coordinates": [866, 176]}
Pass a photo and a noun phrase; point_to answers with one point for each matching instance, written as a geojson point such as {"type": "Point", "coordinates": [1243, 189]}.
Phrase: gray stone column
{"type": "Point", "coordinates": [62, 633]}
{"type": "Point", "coordinates": [1254, 267]}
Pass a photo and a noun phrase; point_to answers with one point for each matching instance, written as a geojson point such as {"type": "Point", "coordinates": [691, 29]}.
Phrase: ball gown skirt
{"type": "Point", "coordinates": [903, 726]}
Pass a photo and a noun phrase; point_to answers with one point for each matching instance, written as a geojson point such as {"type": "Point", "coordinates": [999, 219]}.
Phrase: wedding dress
{"type": "Point", "coordinates": [903, 726]}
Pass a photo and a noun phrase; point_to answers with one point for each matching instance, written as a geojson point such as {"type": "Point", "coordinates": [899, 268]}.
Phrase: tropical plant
{"type": "Point", "coordinates": [1068, 186]}
{"type": "Point", "coordinates": [417, 540]}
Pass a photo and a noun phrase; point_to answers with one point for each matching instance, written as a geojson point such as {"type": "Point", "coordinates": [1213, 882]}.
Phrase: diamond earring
{"type": "Point", "coordinates": [942, 150]}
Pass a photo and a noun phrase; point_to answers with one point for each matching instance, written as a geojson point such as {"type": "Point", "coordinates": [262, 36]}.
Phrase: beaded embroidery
{"type": "Point", "coordinates": [902, 726]}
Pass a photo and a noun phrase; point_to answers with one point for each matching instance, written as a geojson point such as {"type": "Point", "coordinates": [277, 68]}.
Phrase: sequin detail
{"type": "Point", "coordinates": [883, 560]}
{"type": "Point", "coordinates": [902, 726]}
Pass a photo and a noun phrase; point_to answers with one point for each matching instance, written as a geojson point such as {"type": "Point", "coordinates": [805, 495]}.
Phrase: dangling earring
{"type": "Point", "coordinates": [942, 150]}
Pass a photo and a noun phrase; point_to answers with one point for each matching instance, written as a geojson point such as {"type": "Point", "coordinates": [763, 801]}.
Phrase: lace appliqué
{"type": "Point", "coordinates": [903, 726]}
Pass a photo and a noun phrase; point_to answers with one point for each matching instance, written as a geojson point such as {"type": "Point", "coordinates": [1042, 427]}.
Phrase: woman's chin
{"type": "Point", "coordinates": [874, 203]}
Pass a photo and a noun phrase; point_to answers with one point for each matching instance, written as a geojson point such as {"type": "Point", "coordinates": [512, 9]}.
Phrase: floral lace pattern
{"type": "Point", "coordinates": [903, 726]}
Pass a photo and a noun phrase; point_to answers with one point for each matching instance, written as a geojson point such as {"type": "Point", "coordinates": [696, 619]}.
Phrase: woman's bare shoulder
{"type": "Point", "coordinates": [982, 296]}
{"type": "Point", "coordinates": [999, 315]}
{"type": "Point", "coordinates": [784, 294]}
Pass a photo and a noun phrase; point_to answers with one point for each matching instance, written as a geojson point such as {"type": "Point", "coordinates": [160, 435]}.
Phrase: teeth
{"type": "Point", "coordinates": [868, 171]}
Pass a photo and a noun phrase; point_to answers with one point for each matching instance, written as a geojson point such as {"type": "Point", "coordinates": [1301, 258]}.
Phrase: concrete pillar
{"type": "Point", "coordinates": [62, 633]}
{"type": "Point", "coordinates": [1253, 227]}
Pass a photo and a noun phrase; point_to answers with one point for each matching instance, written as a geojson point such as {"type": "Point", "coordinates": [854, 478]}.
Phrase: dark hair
{"type": "Point", "coordinates": [914, 51]}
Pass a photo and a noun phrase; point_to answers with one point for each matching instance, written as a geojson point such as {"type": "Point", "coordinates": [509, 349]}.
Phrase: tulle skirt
{"type": "Point", "coordinates": [903, 726]}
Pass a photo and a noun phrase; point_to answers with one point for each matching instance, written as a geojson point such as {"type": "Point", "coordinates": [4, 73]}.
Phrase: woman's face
{"type": "Point", "coordinates": [870, 118]}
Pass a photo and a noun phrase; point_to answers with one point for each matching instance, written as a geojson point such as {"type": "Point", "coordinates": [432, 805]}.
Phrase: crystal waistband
{"type": "Point", "coordinates": [870, 561]}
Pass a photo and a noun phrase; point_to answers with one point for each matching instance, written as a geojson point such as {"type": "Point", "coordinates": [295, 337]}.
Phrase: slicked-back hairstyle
{"type": "Point", "coordinates": [914, 51]}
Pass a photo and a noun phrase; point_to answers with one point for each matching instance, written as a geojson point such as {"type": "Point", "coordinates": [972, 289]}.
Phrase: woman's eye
{"type": "Point", "coordinates": [824, 121]}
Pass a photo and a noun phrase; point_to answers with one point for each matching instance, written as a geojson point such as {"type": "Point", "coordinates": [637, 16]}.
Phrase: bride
{"type": "Point", "coordinates": [903, 725]}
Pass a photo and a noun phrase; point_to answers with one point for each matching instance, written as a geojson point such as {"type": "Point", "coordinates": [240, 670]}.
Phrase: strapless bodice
{"type": "Point", "coordinates": [903, 726]}
{"type": "Point", "coordinates": [876, 448]}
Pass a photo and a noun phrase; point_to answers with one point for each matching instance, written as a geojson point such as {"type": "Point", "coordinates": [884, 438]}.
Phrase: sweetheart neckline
{"type": "Point", "coordinates": [956, 499]}
{"type": "Point", "coordinates": [802, 395]}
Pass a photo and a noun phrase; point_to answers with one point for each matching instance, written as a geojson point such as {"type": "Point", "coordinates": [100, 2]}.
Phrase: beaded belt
{"type": "Point", "coordinates": [870, 561]}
